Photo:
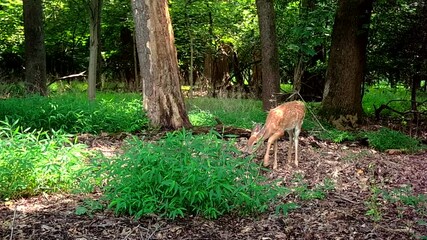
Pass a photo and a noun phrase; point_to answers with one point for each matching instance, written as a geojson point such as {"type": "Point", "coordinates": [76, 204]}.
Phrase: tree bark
{"type": "Point", "coordinates": [269, 52]}
{"type": "Point", "coordinates": [35, 53]}
{"type": "Point", "coordinates": [94, 56]}
{"type": "Point", "coordinates": [347, 62]}
{"type": "Point", "coordinates": [162, 97]}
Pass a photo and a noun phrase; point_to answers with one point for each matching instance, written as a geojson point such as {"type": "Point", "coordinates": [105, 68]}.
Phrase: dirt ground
{"type": "Point", "coordinates": [354, 169]}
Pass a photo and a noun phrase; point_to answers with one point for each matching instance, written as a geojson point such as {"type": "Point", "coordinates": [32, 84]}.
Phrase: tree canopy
{"type": "Point", "coordinates": [225, 33]}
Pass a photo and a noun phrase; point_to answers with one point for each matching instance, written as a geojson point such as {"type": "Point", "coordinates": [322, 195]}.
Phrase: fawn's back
{"type": "Point", "coordinates": [285, 117]}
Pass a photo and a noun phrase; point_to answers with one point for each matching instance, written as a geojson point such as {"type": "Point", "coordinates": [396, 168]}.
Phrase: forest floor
{"type": "Point", "coordinates": [355, 170]}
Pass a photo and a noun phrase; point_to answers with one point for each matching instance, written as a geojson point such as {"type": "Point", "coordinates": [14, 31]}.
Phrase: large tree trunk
{"type": "Point", "coordinates": [35, 53]}
{"type": "Point", "coordinates": [94, 56]}
{"type": "Point", "coordinates": [346, 67]}
{"type": "Point", "coordinates": [269, 55]}
{"type": "Point", "coordinates": [162, 97]}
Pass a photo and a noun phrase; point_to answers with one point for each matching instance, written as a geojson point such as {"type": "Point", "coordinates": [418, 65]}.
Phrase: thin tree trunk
{"type": "Point", "coordinates": [269, 52]}
{"type": "Point", "coordinates": [35, 53]}
{"type": "Point", "coordinates": [94, 56]}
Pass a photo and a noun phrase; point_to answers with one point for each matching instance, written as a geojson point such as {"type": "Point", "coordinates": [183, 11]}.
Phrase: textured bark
{"type": "Point", "coordinates": [94, 56]}
{"type": "Point", "coordinates": [35, 53]}
{"type": "Point", "coordinates": [162, 97]}
{"type": "Point", "coordinates": [346, 67]}
{"type": "Point", "coordinates": [269, 52]}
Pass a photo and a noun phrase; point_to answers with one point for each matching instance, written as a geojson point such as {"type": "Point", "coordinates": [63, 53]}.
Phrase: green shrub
{"type": "Point", "coordinates": [32, 162]}
{"type": "Point", "coordinates": [386, 138]}
{"type": "Point", "coordinates": [186, 174]}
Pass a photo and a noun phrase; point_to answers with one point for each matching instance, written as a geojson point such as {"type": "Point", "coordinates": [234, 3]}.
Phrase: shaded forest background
{"type": "Point", "coordinates": [218, 44]}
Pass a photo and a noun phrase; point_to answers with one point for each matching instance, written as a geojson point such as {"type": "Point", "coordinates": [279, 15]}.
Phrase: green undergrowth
{"type": "Point", "coordinates": [381, 139]}
{"type": "Point", "coordinates": [399, 201]}
{"type": "Point", "coordinates": [398, 98]}
{"type": "Point", "coordinates": [73, 113]}
{"type": "Point", "coordinates": [184, 174]}
{"type": "Point", "coordinates": [385, 139]}
{"type": "Point", "coordinates": [243, 113]}
{"type": "Point", "coordinates": [300, 189]}
{"type": "Point", "coordinates": [231, 112]}
{"type": "Point", "coordinates": [35, 161]}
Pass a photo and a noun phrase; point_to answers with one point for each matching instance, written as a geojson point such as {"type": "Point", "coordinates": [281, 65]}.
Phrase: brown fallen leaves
{"type": "Point", "coordinates": [354, 170]}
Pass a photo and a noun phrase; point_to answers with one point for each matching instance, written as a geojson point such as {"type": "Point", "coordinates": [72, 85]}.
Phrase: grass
{"type": "Point", "coordinates": [231, 112]}
{"type": "Point", "coordinates": [72, 113]}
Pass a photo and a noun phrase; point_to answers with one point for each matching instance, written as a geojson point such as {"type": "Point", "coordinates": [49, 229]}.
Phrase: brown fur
{"type": "Point", "coordinates": [286, 117]}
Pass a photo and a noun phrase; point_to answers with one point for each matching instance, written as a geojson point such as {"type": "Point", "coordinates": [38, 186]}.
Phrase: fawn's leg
{"type": "Point", "coordinates": [297, 131]}
{"type": "Point", "coordinates": [290, 132]}
{"type": "Point", "coordinates": [271, 140]}
{"type": "Point", "coordinates": [275, 155]}
{"type": "Point", "coordinates": [267, 153]}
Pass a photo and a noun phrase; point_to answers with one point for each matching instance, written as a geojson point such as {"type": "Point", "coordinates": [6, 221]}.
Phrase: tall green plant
{"type": "Point", "coordinates": [185, 174]}
{"type": "Point", "coordinates": [32, 162]}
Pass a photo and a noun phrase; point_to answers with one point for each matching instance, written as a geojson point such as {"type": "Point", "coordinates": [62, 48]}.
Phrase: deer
{"type": "Point", "coordinates": [287, 117]}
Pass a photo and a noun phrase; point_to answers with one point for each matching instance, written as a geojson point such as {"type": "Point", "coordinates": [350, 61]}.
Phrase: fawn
{"type": "Point", "coordinates": [286, 117]}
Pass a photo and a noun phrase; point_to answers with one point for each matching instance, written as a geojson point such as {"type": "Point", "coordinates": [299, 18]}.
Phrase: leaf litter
{"type": "Point", "coordinates": [348, 211]}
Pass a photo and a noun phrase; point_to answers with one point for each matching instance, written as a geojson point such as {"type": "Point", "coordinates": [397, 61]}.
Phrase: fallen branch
{"type": "Point", "coordinates": [77, 75]}
{"type": "Point", "coordinates": [13, 223]}
{"type": "Point", "coordinates": [386, 106]}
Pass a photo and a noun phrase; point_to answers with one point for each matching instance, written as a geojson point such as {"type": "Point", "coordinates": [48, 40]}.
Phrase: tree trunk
{"type": "Point", "coordinates": [162, 97]}
{"type": "Point", "coordinates": [189, 24]}
{"type": "Point", "coordinates": [35, 53]}
{"type": "Point", "coordinates": [346, 67]}
{"type": "Point", "coordinates": [94, 56]}
{"type": "Point", "coordinates": [269, 52]}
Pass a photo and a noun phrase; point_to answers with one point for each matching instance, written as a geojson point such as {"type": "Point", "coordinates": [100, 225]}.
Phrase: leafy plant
{"type": "Point", "coordinates": [89, 207]}
{"type": "Point", "coordinates": [302, 190]}
{"type": "Point", "coordinates": [374, 205]}
{"type": "Point", "coordinates": [405, 196]}
{"type": "Point", "coordinates": [32, 162]}
{"type": "Point", "coordinates": [286, 208]}
{"type": "Point", "coordinates": [200, 117]}
{"type": "Point", "coordinates": [402, 198]}
{"type": "Point", "coordinates": [184, 174]}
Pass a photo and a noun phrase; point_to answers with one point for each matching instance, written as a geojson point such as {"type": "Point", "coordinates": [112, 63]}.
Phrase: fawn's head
{"type": "Point", "coordinates": [256, 135]}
